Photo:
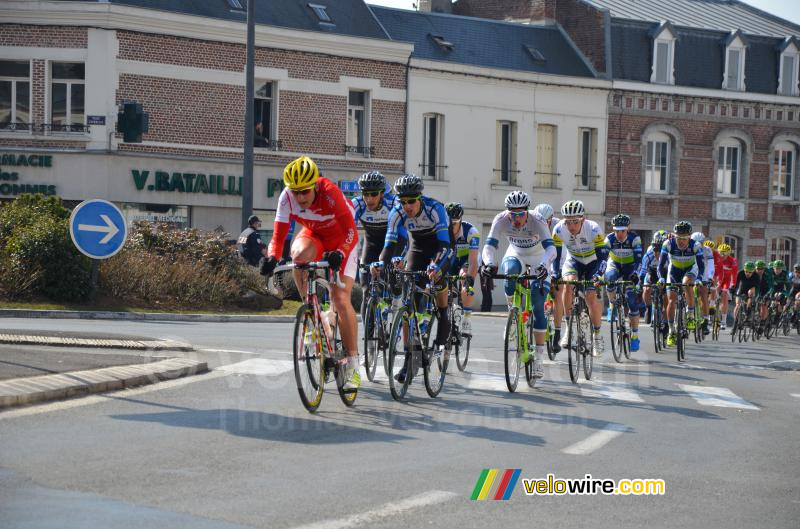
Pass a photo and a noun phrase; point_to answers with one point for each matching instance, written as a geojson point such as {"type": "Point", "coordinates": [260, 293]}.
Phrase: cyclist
{"type": "Point", "coordinates": [529, 243]}
{"type": "Point", "coordinates": [624, 259]}
{"type": "Point", "coordinates": [795, 292]}
{"type": "Point", "coordinates": [726, 278]}
{"type": "Point", "coordinates": [747, 284]}
{"type": "Point", "coordinates": [704, 280]}
{"type": "Point", "coordinates": [545, 212]}
{"type": "Point", "coordinates": [781, 284]}
{"type": "Point", "coordinates": [587, 261]}
{"type": "Point", "coordinates": [426, 222]}
{"type": "Point", "coordinates": [763, 290]}
{"type": "Point", "coordinates": [648, 271]}
{"type": "Point", "coordinates": [329, 232]}
{"type": "Point", "coordinates": [713, 292]}
{"type": "Point", "coordinates": [682, 255]}
{"type": "Point", "coordinates": [466, 245]}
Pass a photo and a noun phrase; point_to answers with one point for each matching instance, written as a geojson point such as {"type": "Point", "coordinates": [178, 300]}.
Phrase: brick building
{"type": "Point", "coordinates": [329, 83]}
{"type": "Point", "coordinates": [704, 114]}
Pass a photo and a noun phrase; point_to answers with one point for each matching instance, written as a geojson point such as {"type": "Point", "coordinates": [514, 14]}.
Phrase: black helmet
{"type": "Point", "coordinates": [408, 185]}
{"type": "Point", "coordinates": [253, 219]}
{"type": "Point", "coordinates": [620, 221]}
{"type": "Point", "coordinates": [683, 228]}
{"type": "Point", "coordinates": [454, 210]}
{"type": "Point", "coordinates": [372, 181]}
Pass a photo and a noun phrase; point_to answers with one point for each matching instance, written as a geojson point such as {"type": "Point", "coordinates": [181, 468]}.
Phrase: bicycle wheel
{"type": "Point", "coordinates": [551, 354]}
{"type": "Point", "coordinates": [529, 364]}
{"type": "Point", "coordinates": [308, 359]}
{"type": "Point", "coordinates": [655, 322]}
{"type": "Point", "coordinates": [575, 342]}
{"type": "Point", "coordinates": [679, 325]}
{"type": "Point", "coordinates": [434, 364]}
{"type": "Point", "coordinates": [586, 332]}
{"type": "Point", "coordinates": [460, 341]}
{"type": "Point", "coordinates": [615, 328]}
{"type": "Point", "coordinates": [341, 372]}
{"type": "Point", "coordinates": [737, 322]}
{"type": "Point", "coordinates": [400, 352]}
{"type": "Point", "coordinates": [786, 322]}
{"type": "Point", "coordinates": [372, 325]}
{"type": "Point", "coordinates": [511, 349]}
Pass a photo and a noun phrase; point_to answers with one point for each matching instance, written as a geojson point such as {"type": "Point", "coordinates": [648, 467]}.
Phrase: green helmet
{"type": "Point", "coordinates": [779, 264]}
{"type": "Point", "coordinates": [749, 266]}
{"type": "Point", "coordinates": [761, 264]}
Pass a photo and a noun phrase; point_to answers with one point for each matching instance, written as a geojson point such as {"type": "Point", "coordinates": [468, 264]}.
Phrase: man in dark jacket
{"type": "Point", "coordinates": [251, 247]}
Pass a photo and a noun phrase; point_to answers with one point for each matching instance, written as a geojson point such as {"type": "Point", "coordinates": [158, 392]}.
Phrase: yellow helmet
{"type": "Point", "coordinates": [300, 174]}
{"type": "Point", "coordinates": [725, 249]}
{"type": "Point", "coordinates": [709, 243]}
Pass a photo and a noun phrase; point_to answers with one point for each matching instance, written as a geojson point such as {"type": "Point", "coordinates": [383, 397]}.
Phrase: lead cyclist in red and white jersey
{"type": "Point", "coordinates": [329, 233]}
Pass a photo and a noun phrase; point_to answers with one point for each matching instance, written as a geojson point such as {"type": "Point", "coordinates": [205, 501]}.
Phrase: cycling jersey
{"type": "Point", "coordinates": [708, 255]}
{"type": "Point", "coordinates": [466, 240]}
{"type": "Point", "coordinates": [530, 244]}
{"type": "Point", "coordinates": [624, 255]}
{"type": "Point", "coordinates": [428, 232]}
{"type": "Point", "coordinates": [764, 284]}
{"type": "Point", "coordinates": [375, 224]}
{"type": "Point", "coordinates": [648, 270]}
{"type": "Point", "coordinates": [795, 285]}
{"type": "Point", "coordinates": [726, 273]}
{"type": "Point", "coordinates": [328, 221]}
{"type": "Point", "coordinates": [779, 283]}
{"type": "Point", "coordinates": [681, 261]}
{"type": "Point", "coordinates": [744, 283]}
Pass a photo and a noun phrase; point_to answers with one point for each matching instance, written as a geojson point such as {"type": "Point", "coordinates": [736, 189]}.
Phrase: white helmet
{"type": "Point", "coordinates": [517, 200]}
{"type": "Point", "coordinates": [573, 208]}
{"type": "Point", "coordinates": [544, 210]}
{"type": "Point", "coordinates": [698, 237]}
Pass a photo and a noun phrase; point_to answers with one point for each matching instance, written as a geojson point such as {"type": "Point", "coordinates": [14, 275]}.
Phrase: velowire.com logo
{"type": "Point", "coordinates": [496, 484]}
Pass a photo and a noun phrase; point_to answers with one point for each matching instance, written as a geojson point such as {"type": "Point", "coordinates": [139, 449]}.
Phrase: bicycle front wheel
{"type": "Point", "coordinates": [575, 343]}
{"type": "Point", "coordinates": [434, 362]}
{"type": "Point", "coordinates": [511, 349]}
{"type": "Point", "coordinates": [461, 341]}
{"type": "Point", "coordinates": [400, 353]}
{"type": "Point", "coordinates": [681, 332]}
{"type": "Point", "coordinates": [308, 359]}
{"type": "Point", "coordinates": [616, 333]}
{"type": "Point", "coordinates": [372, 327]}
{"type": "Point", "coordinates": [586, 331]}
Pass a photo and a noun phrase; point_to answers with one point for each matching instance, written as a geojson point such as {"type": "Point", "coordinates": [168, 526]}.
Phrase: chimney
{"type": "Point", "coordinates": [436, 6]}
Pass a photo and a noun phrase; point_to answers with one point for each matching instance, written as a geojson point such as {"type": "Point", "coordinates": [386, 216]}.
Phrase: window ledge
{"type": "Point", "coordinates": [56, 136]}
{"type": "Point", "coordinates": [546, 188]}
{"type": "Point", "coordinates": [504, 187]}
{"type": "Point", "coordinates": [659, 194]}
{"type": "Point", "coordinates": [587, 190]}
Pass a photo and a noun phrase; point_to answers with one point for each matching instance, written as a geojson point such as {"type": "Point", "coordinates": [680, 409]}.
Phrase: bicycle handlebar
{"type": "Point", "coordinates": [313, 265]}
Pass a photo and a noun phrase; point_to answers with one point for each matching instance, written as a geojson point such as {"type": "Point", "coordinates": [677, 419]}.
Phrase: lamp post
{"type": "Point", "coordinates": [249, 121]}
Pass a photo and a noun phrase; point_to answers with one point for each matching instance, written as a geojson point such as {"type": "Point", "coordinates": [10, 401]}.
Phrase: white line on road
{"type": "Point", "coordinates": [385, 511]}
{"type": "Point", "coordinates": [687, 366]}
{"type": "Point", "coordinates": [795, 395]}
{"type": "Point", "coordinates": [611, 390]}
{"type": "Point", "coordinates": [259, 367]}
{"type": "Point", "coordinates": [596, 440]}
{"type": "Point", "coordinates": [721, 397]}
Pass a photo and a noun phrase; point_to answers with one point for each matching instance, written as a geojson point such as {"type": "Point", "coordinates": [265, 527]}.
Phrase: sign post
{"type": "Point", "coordinates": [98, 230]}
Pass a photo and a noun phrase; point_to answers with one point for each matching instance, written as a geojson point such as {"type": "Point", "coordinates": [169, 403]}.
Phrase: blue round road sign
{"type": "Point", "coordinates": [98, 228]}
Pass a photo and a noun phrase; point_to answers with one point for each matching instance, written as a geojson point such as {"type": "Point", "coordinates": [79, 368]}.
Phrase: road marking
{"type": "Point", "coordinates": [795, 395]}
{"type": "Point", "coordinates": [687, 366]}
{"type": "Point", "coordinates": [597, 440]}
{"type": "Point", "coordinates": [610, 390]}
{"type": "Point", "coordinates": [209, 350]}
{"type": "Point", "coordinates": [258, 367]}
{"type": "Point", "coordinates": [387, 510]}
{"type": "Point", "coordinates": [115, 395]}
{"type": "Point", "coordinates": [745, 366]}
{"type": "Point", "coordinates": [720, 397]}
{"type": "Point", "coordinates": [492, 381]}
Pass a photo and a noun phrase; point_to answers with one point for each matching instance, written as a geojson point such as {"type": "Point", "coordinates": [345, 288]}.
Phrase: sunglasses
{"type": "Point", "coordinates": [370, 194]}
{"type": "Point", "coordinates": [517, 214]}
{"type": "Point", "coordinates": [760, 268]}
{"type": "Point", "coordinates": [572, 222]}
{"type": "Point", "coordinates": [410, 200]}
{"type": "Point", "coordinates": [302, 192]}
{"type": "Point", "coordinates": [683, 237]}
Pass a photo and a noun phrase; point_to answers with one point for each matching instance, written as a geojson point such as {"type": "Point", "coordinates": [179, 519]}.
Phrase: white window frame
{"type": "Point", "coordinates": [365, 124]}
{"type": "Point", "coordinates": [70, 83]}
{"type": "Point", "coordinates": [778, 153]}
{"type": "Point", "coordinates": [651, 144]}
{"type": "Point", "coordinates": [777, 250]}
{"type": "Point", "coordinates": [792, 53]}
{"type": "Point", "coordinates": [736, 45]}
{"type": "Point", "coordinates": [438, 172]}
{"type": "Point", "coordinates": [14, 81]}
{"type": "Point", "coordinates": [720, 180]}
{"type": "Point", "coordinates": [665, 37]}
{"type": "Point", "coordinates": [270, 133]}
{"type": "Point", "coordinates": [321, 12]}
{"type": "Point", "coordinates": [511, 178]}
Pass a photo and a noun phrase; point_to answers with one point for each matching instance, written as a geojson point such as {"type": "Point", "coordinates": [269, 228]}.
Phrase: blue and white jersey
{"type": "Point", "coordinates": [374, 222]}
{"type": "Point", "coordinates": [685, 259]}
{"type": "Point", "coordinates": [429, 230]}
{"type": "Point", "coordinates": [467, 239]}
{"type": "Point", "coordinates": [531, 243]}
{"type": "Point", "coordinates": [624, 254]}
{"type": "Point", "coordinates": [650, 264]}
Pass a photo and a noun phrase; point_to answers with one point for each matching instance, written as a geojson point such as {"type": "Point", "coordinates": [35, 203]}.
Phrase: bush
{"type": "Point", "coordinates": [37, 252]}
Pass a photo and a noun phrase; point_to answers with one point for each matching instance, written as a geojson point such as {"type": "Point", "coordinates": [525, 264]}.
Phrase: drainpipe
{"type": "Point", "coordinates": [408, 127]}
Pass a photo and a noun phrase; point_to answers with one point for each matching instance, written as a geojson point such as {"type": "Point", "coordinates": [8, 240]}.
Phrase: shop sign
{"type": "Point", "coordinates": [10, 184]}
{"type": "Point", "coordinates": [186, 182]}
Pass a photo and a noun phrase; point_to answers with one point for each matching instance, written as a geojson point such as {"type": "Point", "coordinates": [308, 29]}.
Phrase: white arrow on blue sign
{"type": "Point", "coordinates": [349, 186]}
{"type": "Point", "coordinates": [98, 228]}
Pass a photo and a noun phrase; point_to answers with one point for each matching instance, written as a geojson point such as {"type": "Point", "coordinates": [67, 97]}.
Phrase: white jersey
{"type": "Point", "coordinates": [708, 253]}
{"type": "Point", "coordinates": [564, 252]}
{"type": "Point", "coordinates": [582, 247]}
{"type": "Point", "coordinates": [531, 243]}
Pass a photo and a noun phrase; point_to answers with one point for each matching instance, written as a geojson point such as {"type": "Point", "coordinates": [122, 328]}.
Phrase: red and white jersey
{"type": "Point", "coordinates": [329, 219]}
{"type": "Point", "coordinates": [730, 268]}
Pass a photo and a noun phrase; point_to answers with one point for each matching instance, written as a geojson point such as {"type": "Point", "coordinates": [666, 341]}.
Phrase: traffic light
{"type": "Point", "coordinates": [132, 122]}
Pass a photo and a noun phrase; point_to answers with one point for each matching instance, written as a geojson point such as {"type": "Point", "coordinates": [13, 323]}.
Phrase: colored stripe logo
{"type": "Point", "coordinates": [496, 484]}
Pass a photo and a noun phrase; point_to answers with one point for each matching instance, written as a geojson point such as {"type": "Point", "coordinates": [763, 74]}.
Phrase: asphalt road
{"type": "Point", "coordinates": [235, 448]}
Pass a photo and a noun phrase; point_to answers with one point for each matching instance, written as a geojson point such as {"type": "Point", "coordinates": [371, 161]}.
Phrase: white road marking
{"type": "Point", "coordinates": [596, 440]}
{"type": "Point", "coordinates": [720, 397]}
{"type": "Point", "coordinates": [97, 399]}
{"type": "Point", "coordinates": [687, 366]}
{"type": "Point", "coordinates": [387, 510]}
{"type": "Point", "coordinates": [753, 368]}
{"type": "Point", "coordinates": [795, 395]}
{"type": "Point", "coordinates": [611, 390]}
{"type": "Point", "coordinates": [258, 367]}
{"type": "Point", "coordinates": [237, 351]}
{"type": "Point", "coordinates": [493, 381]}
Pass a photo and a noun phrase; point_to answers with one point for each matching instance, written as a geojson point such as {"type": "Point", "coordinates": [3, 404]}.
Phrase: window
{"type": "Point", "coordinates": [734, 68]}
{"type": "Point", "coordinates": [235, 4]}
{"type": "Point", "coordinates": [587, 159]}
{"type": "Point", "coordinates": [432, 146]}
{"type": "Point", "coordinates": [263, 115]}
{"type": "Point", "coordinates": [357, 123]}
{"type": "Point", "coordinates": [321, 12]}
{"type": "Point", "coordinates": [507, 152]}
{"type": "Point", "coordinates": [546, 175]}
{"type": "Point", "coordinates": [657, 164]}
{"type": "Point", "coordinates": [783, 170]}
{"type": "Point", "coordinates": [443, 44]}
{"type": "Point", "coordinates": [733, 242]}
{"type": "Point", "coordinates": [67, 97]}
{"type": "Point", "coordinates": [782, 248]}
{"type": "Point", "coordinates": [15, 95]}
{"type": "Point", "coordinates": [663, 71]}
{"type": "Point", "coordinates": [787, 83]}
{"type": "Point", "coordinates": [728, 170]}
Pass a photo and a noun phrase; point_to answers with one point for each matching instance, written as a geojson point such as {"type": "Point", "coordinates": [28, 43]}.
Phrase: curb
{"type": "Point", "coordinates": [20, 391]}
{"type": "Point", "coordinates": [143, 345]}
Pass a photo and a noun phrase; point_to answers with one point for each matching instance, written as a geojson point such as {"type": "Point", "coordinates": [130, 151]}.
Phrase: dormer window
{"type": "Point", "coordinates": [321, 12]}
{"type": "Point", "coordinates": [443, 44]}
{"type": "Point", "coordinates": [535, 54]}
{"type": "Point", "coordinates": [789, 59]}
{"type": "Point", "coordinates": [236, 5]}
{"type": "Point", "coordinates": [663, 55]}
{"type": "Point", "coordinates": [734, 62]}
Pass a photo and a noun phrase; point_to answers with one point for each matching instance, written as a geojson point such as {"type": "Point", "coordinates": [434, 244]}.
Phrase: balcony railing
{"type": "Point", "coordinates": [586, 182]}
{"type": "Point", "coordinates": [544, 180]}
{"type": "Point", "coordinates": [355, 149]}
{"type": "Point", "coordinates": [16, 127]}
{"type": "Point", "coordinates": [45, 128]}
{"type": "Point", "coordinates": [435, 172]}
{"type": "Point", "coordinates": [264, 143]}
